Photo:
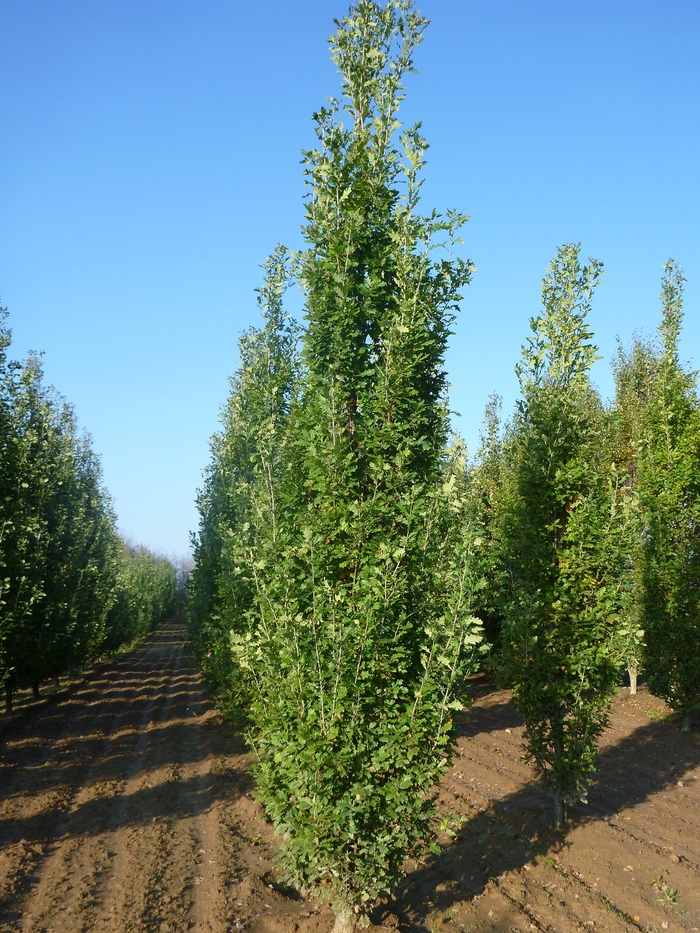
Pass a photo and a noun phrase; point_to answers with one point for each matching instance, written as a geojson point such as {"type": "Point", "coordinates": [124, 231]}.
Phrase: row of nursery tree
{"type": "Point", "coordinates": [353, 567]}
{"type": "Point", "coordinates": [71, 589]}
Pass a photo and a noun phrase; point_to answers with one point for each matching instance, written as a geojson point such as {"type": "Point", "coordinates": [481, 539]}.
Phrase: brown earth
{"type": "Point", "coordinates": [125, 807]}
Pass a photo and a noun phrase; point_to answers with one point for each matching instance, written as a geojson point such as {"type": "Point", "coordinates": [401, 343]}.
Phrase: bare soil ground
{"type": "Point", "coordinates": [125, 807]}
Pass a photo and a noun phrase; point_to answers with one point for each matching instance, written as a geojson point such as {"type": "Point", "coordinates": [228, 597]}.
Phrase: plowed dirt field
{"type": "Point", "coordinates": [125, 807]}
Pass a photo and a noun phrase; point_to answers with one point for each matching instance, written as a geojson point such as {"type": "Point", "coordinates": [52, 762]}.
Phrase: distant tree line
{"type": "Point", "coordinates": [70, 588]}
{"type": "Point", "coordinates": [352, 563]}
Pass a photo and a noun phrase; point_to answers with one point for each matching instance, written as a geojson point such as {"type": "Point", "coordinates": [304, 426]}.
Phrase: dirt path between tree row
{"type": "Point", "coordinates": [126, 808]}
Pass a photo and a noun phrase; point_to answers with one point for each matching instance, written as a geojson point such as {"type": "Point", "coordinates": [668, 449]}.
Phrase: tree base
{"type": "Point", "coordinates": [559, 810]}
{"type": "Point", "coordinates": [633, 681]}
{"type": "Point", "coordinates": [345, 922]}
{"type": "Point", "coordinates": [685, 721]}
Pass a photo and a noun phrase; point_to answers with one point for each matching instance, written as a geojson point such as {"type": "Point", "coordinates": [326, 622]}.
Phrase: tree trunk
{"type": "Point", "coordinates": [558, 742]}
{"type": "Point", "coordinates": [55, 681]}
{"type": "Point", "coordinates": [35, 690]}
{"type": "Point", "coordinates": [345, 922]}
{"type": "Point", "coordinates": [559, 809]}
{"type": "Point", "coordinates": [632, 671]}
{"type": "Point", "coordinates": [8, 699]}
{"type": "Point", "coordinates": [685, 720]}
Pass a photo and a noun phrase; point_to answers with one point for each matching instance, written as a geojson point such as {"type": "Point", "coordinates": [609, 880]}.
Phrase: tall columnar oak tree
{"type": "Point", "coordinates": [88, 579]}
{"type": "Point", "coordinates": [58, 545]}
{"type": "Point", "coordinates": [562, 517]}
{"type": "Point", "coordinates": [636, 372]}
{"type": "Point", "coordinates": [35, 451]}
{"type": "Point", "coordinates": [246, 464]}
{"type": "Point", "coordinates": [361, 633]}
{"type": "Point", "coordinates": [669, 490]}
{"type": "Point", "coordinates": [74, 554]}
{"type": "Point", "coordinates": [483, 493]}
{"type": "Point", "coordinates": [6, 484]}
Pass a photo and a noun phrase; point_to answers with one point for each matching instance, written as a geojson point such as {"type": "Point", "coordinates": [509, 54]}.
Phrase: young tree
{"type": "Point", "coordinates": [58, 544]}
{"type": "Point", "coordinates": [81, 566]}
{"type": "Point", "coordinates": [32, 455]}
{"type": "Point", "coordinates": [50, 486]}
{"type": "Point", "coordinates": [483, 493]}
{"type": "Point", "coordinates": [58, 541]}
{"type": "Point", "coordinates": [669, 491]}
{"type": "Point", "coordinates": [361, 631]}
{"type": "Point", "coordinates": [144, 595]}
{"type": "Point", "coordinates": [246, 463]}
{"type": "Point", "coordinates": [562, 516]}
{"type": "Point", "coordinates": [7, 470]}
{"type": "Point", "coordinates": [635, 374]}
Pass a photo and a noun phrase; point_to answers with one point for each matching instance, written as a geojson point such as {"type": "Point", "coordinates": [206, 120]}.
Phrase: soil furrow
{"type": "Point", "coordinates": [127, 808]}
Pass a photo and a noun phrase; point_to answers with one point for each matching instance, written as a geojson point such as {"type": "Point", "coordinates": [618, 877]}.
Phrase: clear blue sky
{"type": "Point", "coordinates": [149, 161]}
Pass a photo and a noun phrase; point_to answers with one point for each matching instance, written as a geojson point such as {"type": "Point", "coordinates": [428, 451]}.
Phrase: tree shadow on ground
{"type": "Point", "coordinates": [518, 827]}
{"type": "Point", "coordinates": [91, 766]}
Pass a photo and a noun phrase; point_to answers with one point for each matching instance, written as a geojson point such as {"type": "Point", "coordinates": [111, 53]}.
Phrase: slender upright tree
{"type": "Point", "coordinates": [484, 488]}
{"type": "Point", "coordinates": [562, 516]}
{"type": "Point", "coordinates": [81, 564]}
{"type": "Point", "coordinates": [59, 551]}
{"type": "Point", "coordinates": [33, 452]}
{"type": "Point", "coordinates": [636, 372]}
{"type": "Point", "coordinates": [7, 471]}
{"type": "Point", "coordinates": [246, 463]}
{"type": "Point", "coordinates": [669, 490]}
{"type": "Point", "coordinates": [60, 538]}
{"type": "Point", "coordinates": [361, 630]}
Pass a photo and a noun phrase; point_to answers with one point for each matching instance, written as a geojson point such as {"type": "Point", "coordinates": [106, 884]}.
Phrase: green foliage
{"type": "Point", "coordinates": [7, 473]}
{"type": "Point", "coordinates": [635, 374]}
{"type": "Point", "coordinates": [246, 464]}
{"type": "Point", "coordinates": [144, 595]}
{"type": "Point", "coordinates": [58, 545]}
{"type": "Point", "coordinates": [669, 492]}
{"type": "Point", "coordinates": [38, 450]}
{"type": "Point", "coordinates": [563, 516]}
{"type": "Point", "coordinates": [345, 551]}
{"type": "Point", "coordinates": [484, 486]}
{"type": "Point", "coordinates": [360, 629]}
